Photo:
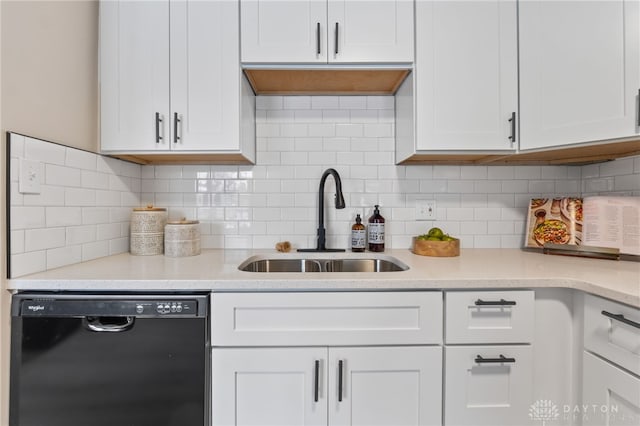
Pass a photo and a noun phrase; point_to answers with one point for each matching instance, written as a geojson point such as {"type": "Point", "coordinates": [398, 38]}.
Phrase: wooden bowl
{"type": "Point", "coordinates": [436, 248]}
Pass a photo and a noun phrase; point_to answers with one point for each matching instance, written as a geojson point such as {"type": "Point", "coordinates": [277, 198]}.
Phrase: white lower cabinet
{"type": "Point", "coordinates": [610, 395]}
{"type": "Point", "coordinates": [488, 385]}
{"type": "Point", "coordinates": [269, 386]}
{"type": "Point", "coordinates": [393, 386]}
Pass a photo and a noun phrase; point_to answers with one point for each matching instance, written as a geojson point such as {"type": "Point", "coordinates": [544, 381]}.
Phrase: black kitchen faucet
{"type": "Point", "coordinates": [339, 205]}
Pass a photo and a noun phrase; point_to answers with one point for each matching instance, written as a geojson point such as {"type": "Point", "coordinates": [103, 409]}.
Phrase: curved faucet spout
{"type": "Point", "coordinates": [340, 204]}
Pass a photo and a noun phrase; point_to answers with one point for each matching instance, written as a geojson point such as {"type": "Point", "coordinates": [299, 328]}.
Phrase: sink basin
{"type": "Point", "coordinates": [259, 264]}
{"type": "Point", "coordinates": [280, 265]}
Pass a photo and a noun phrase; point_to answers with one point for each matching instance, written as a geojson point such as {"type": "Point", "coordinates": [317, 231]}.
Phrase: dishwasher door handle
{"type": "Point", "coordinates": [97, 325]}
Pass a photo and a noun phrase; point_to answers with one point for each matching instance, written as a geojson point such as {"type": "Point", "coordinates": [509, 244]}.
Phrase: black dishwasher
{"type": "Point", "coordinates": [109, 360]}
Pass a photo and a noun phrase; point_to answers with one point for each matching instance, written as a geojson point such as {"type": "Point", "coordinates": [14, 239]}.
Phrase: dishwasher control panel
{"type": "Point", "coordinates": [170, 307]}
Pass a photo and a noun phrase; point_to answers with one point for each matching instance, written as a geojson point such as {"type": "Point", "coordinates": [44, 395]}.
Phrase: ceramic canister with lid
{"type": "Point", "coordinates": [182, 238]}
{"type": "Point", "coordinates": [147, 231]}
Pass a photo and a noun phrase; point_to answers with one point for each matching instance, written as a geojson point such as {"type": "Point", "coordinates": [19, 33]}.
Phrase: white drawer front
{"type": "Point", "coordinates": [488, 393]}
{"type": "Point", "coordinates": [304, 319]}
{"type": "Point", "coordinates": [489, 316]}
{"type": "Point", "coordinates": [611, 336]}
{"type": "Point", "coordinates": [610, 396]}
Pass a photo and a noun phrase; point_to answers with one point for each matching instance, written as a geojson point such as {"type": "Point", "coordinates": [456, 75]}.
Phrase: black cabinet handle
{"type": "Point", "coordinates": [158, 121]}
{"type": "Point", "coordinates": [638, 123]}
{"type": "Point", "coordinates": [336, 39]}
{"type": "Point", "coordinates": [500, 360]}
{"type": "Point", "coordinates": [512, 120]}
{"type": "Point", "coordinates": [340, 381]}
{"type": "Point", "coordinates": [176, 121]}
{"type": "Point", "coordinates": [621, 318]}
{"type": "Point", "coordinates": [318, 38]}
{"type": "Point", "coordinates": [500, 302]}
{"type": "Point", "coordinates": [317, 380]}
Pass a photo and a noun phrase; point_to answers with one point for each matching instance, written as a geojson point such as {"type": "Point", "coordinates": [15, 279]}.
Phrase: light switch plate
{"type": "Point", "coordinates": [425, 210]}
{"type": "Point", "coordinates": [29, 181]}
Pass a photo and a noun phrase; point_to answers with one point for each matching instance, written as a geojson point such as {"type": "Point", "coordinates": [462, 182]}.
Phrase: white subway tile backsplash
{"type": "Point", "coordinates": [62, 216]}
{"type": "Point", "coordinates": [28, 263]}
{"type": "Point", "coordinates": [79, 197]}
{"type": "Point", "coordinates": [61, 175]}
{"type": "Point", "coordinates": [298, 138]}
{"type": "Point", "coordinates": [48, 196]}
{"type": "Point", "coordinates": [380, 102]}
{"type": "Point", "coordinates": [63, 256]}
{"type": "Point", "coordinates": [623, 166]}
{"type": "Point", "coordinates": [501, 172]}
{"type": "Point", "coordinates": [107, 198]}
{"type": "Point", "coordinates": [94, 180]}
{"type": "Point", "coordinates": [80, 234]}
{"type": "Point", "coordinates": [27, 217]}
{"type": "Point", "coordinates": [80, 159]}
{"type": "Point", "coordinates": [43, 238]}
{"type": "Point", "coordinates": [17, 241]}
{"type": "Point", "coordinates": [95, 250]}
{"type": "Point", "coordinates": [46, 152]}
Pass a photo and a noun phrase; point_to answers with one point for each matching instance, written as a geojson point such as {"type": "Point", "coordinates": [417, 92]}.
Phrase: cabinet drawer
{"type": "Point", "coordinates": [489, 316]}
{"type": "Point", "coordinates": [482, 392]}
{"type": "Point", "coordinates": [612, 330]}
{"type": "Point", "coordinates": [610, 396]}
{"type": "Point", "coordinates": [312, 319]}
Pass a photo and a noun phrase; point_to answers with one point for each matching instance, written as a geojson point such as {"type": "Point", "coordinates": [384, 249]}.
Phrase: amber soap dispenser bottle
{"type": "Point", "coordinates": [376, 231]}
{"type": "Point", "coordinates": [358, 236]}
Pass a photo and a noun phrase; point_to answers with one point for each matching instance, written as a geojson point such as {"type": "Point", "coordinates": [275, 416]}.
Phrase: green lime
{"type": "Point", "coordinates": [435, 232]}
{"type": "Point", "coordinates": [447, 238]}
{"type": "Point", "coordinates": [433, 239]}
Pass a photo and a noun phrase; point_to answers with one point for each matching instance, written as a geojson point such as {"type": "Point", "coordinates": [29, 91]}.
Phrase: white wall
{"type": "Point", "coordinates": [50, 70]}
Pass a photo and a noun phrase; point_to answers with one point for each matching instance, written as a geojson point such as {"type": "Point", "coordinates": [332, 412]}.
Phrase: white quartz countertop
{"type": "Point", "coordinates": [217, 270]}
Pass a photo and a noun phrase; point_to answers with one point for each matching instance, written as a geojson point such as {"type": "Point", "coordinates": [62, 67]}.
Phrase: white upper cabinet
{"type": "Point", "coordinates": [205, 75]}
{"type": "Point", "coordinates": [170, 77]}
{"type": "Point", "coordinates": [579, 71]}
{"type": "Point", "coordinates": [321, 31]}
{"type": "Point", "coordinates": [134, 74]}
{"type": "Point", "coordinates": [465, 91]}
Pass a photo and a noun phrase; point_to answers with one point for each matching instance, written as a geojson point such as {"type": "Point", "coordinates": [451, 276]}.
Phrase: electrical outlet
{"type": "Point", "coordinates": [425, 210]}
{"type": "Point", "coordinates": [29, 181]}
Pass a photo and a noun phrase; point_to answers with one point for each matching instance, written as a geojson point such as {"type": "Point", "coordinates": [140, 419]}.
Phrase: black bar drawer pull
{"type": "Point", "coordinates": [176, 121]}
{"type": "Point", "coordinates": [512, 120]}
{"type": "Point", "coordinates": [340, 381]}
{"type": "Point", "coordinates": [500, 302]}
{"type": "Point", "coordinates": [336, 41]}
{"type": "Point", "coordinates": [500, 360]}
{"type": "Point", "coordinates": [621, 318]}
{"type": "Point", "coordinates": [158, 121]}
{"type": "Point", "coordinates": [318, 38]}
{"type": "Point", "coordinates": [317, 380]}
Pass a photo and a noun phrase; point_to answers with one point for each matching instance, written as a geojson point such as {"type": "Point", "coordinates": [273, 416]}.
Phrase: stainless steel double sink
{"type": "Point", "coordinates": [260, 264]}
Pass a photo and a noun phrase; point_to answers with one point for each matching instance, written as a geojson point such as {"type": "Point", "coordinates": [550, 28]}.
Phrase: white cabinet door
{"type": "Point", "coordinates": [284, 30]}
{"type": "Point", "coordinates": [205, 76]}
{"type": "Point", "coordinates": [466, 75]}
{"type": "Point", "coordinates": [480, 391]}
{"type": "Point", "coordinates": [610, 396]}
{"type": "Point", "coordinates": [269, 387]}
{"type": "Point", "coordinates": [579, 71]}
{"type": "Point", "coordinates": [370, 31]}
{"type": "Point", "coordinates": [134, 75]}
{"type": "Point", "coordinates": [390, 386]}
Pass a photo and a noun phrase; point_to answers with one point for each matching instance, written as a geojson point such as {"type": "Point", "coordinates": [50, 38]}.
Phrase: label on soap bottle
{"type": "Point", "coordinates": [358, 239]}
{"type": "Point", "coordinates": [376, 233]}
